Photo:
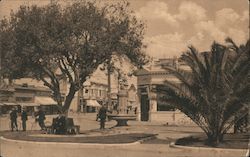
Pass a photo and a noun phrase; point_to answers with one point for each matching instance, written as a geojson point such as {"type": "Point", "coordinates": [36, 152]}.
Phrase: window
{"type": "Point", "coordinates": [50, 109]}
{"type": "Point", "coordinates": [104, 93]}
{"type": "Point", "coordinates": [23, 99]}
{"type": "Point", "coordinates": [81, 101]}
{"type": "Point", "coordinates": [164, 106]}
{"type": "Point", "coordinates": [96, 92]}
{"type": "Point", "coordinates": [100, 93]}
{"type": "Point", "coordinates": [39, 93]}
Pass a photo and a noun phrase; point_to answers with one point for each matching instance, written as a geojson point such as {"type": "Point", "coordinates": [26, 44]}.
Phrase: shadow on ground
{"type": "Point", "coordinates": [158, 141]}
{"type": "Point", "coordinates": [232, 141]}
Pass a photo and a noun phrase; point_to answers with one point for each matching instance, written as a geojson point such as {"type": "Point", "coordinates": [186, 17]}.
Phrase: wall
{"type": "Point", "coordinates": [171, 118]}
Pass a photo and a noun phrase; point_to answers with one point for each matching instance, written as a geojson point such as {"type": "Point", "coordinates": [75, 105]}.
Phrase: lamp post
{"type": "Point", "coordinates": [1, 76]}
{"type": "Point", "coordinates": [109, 83]}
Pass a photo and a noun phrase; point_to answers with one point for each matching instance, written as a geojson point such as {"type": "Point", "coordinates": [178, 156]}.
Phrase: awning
{"type": "Point", "coordinates": [45, 101]}
{"type": "Point", "coordinates": [93, 103]}
{"type": "Point", "coordinates": [10, 103]}
{"type": "Point", "coordinates": [29, 104]}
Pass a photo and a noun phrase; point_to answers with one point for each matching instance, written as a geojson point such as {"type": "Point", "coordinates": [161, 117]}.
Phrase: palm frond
{"type": "Point", "coordinates": [216, 88]}
{"type": "Point", "coordinates": [184, 104]}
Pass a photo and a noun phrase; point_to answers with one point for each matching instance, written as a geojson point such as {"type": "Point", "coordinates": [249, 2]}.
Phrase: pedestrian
{"type": "Point", "coordinates": [24, 118]}
{"type": "Point", "coordinates": [135, 110]}
{"type": "Point", "coordinates": [116, 108]}
{"type": "Point", "coordinates": [97, 117]}
{"type": "Point", "coordinates": [60, 126]}
{"type": "Point", "coordinates": [13, 119]}
{"type": "Point", "coordinates": [41, 118]}
{"type": "Point", "coordinates": [102, 115]}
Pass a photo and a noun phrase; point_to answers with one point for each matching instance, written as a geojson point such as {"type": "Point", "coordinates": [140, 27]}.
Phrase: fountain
{"type": "Point", "coordinates": [122, 116]}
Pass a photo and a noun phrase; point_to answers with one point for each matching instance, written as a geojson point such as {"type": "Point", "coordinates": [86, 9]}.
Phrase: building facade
{"type": "Point", "coordinates": [151, 108]}
{"type": "Point", "coordinates": [24, 95]}
{"type": "Point", "coordinates": [91, 97]}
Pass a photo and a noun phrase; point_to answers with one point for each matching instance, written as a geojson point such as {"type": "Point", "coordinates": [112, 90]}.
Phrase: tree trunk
{"type": "Point", "coordinates": [57, 96]}
{"type": "Point", "coordinates": [65, 108]}
{"type": "Point", "coordinates": [213, 139]}
{"type": "Point", "coordinates": [69, 99]}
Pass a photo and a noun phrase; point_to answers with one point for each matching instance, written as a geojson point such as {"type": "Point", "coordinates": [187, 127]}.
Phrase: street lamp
{"type": "Point", "coordinates": [1, 77]}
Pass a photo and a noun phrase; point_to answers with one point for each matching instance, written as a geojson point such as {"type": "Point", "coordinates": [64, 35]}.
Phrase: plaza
{"type": "Point", "coordinates": [160, 146]}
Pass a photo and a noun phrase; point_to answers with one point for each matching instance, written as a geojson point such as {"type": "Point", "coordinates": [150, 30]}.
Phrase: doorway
{"type": "Point", "coordinates": [144, 108]}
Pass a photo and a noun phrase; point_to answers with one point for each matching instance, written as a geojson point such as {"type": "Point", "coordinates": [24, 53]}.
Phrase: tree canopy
{"type": "Point", "coordinates": [55, 42]}
{"type": "Point", "coordinates": [215, 90]}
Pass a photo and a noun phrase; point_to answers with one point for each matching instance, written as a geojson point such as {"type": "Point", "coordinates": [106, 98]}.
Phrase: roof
{"type": "Point", "coordinates": [45, 100]}
{"type": "Point", "coordinates": [92, 103]}
{"type": "Point", "coordinates": [31, 87]}
{"type": "Point", "coordinates": [142, 72]}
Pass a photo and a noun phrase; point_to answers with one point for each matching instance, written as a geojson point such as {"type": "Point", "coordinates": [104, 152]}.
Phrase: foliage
{"type": "Point", "coordinates": [215, 89]}
{"type": "Point", "coordinates": [53, 42]}
{"type": "Point", "coordinates": [10, 65]}
{"type": "Point", "coordinates": [128, 49]}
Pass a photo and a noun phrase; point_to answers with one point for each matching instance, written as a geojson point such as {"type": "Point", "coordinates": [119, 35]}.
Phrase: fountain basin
{"type": "Point", "coordinates": [122, 119]}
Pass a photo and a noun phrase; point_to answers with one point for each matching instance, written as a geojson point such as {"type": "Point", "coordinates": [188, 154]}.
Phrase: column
{"type": "Point", "coordinates": [152, 105]}
{"type": "Point", "coordinates": [138, 104]}
{"type": "Point", "coordinates": [123, 100]}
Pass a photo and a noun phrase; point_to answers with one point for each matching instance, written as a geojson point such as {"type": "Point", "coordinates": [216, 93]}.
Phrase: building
{"type": "Point", "coordinates": [92, 96]}
{"type": "Point", "coordinates": [28, 92]}
{"type": "Point", "coordinates": [95, 93]}
{"type": "Point", "coordinates": [28, 96]}
{"type": "Point", "coordinates": [151, 108]}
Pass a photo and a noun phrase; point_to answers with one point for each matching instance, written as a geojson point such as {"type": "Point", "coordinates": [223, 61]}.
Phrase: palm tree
{"type": "Point", "coordinates": [242, 58]}
{"type": "Point", "coordinates": [214, 91]}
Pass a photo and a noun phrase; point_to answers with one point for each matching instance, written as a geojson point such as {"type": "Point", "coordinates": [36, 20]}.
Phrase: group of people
{"type": "Point", "coordinates": [24, 117]}
{"type": "Point", "coordinates": [40, 118]}
{"type": "Point", "coordinates": [13, 119]}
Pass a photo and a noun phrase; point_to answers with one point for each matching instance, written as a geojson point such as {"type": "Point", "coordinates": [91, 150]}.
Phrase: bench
{"type": "Point", "coordinates": [63, 126]}
{"type": "Point", "coordinates": [71, 127]}
{"type": "Point", "coordinates": [51, 128]}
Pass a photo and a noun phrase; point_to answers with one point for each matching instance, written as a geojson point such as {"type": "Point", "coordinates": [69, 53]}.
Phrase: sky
{"type": "Point", "coordinates": [173, 25]}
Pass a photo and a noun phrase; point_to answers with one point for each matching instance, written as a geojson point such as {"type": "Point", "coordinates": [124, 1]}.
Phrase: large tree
{"type": "Point", "coordinates": [214, 91]}
{"type": "Point", "coordinates": [10, 65]}
{"type": "Point", "coordinates": [130, 48]}
{"type": "Point", "coordinates": [53, 42]}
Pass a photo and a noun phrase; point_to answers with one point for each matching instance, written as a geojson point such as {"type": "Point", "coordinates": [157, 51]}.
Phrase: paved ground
{"type": "Point", "coordinates": [152, 148]}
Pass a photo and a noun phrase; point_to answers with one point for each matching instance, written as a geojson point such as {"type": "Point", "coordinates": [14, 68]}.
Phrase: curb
{"type": "Point", "coordinates": [173, 145]}
{"type": "Point", "coordinates": [79, 144]}
{"type": "Point", "coordinates": [147, 138]}
{"type": "Point", "coordinates": [69, 143]}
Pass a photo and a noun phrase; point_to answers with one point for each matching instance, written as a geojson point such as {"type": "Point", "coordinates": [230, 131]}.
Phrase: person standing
{"type": "Point", "coordinates": [13, 119]}
{"type": "Point", "coordinates": [24, 118]}
{"type": "Point", "coordinates": [41, 118]}
{"type": "Point", "coordinates": [102, 116]}
{"type": "Point", "coordinates": [135, 111]}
